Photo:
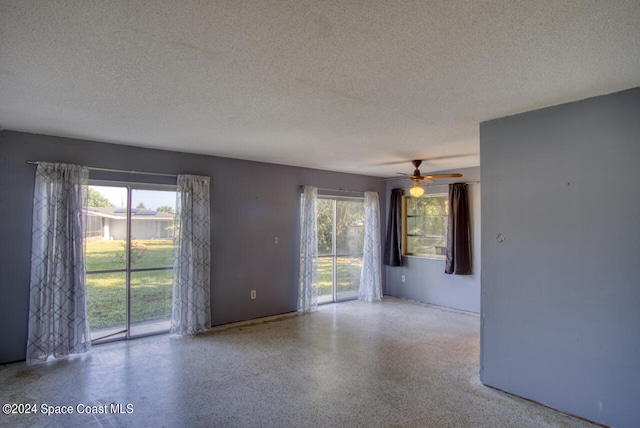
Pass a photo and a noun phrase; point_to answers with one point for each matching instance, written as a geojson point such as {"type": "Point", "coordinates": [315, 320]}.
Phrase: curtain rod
{"type": "Point", "coordinates": [339, 190]}
{"type": "Point", "coordinates": [93, 168]}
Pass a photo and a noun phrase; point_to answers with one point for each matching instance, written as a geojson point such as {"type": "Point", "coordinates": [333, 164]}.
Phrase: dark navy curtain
{"type": "Point", "coordinates": [458, 232]}
{"type": "Point", "coordinates": [392, 250]}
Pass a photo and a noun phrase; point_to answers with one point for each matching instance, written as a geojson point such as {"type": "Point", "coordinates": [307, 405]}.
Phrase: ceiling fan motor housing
{"type": "Point", "coordinates": [416, 173]}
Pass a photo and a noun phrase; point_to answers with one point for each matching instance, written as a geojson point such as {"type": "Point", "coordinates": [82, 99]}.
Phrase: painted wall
{"type": "Point", "coordinates": [251, 203]}
{"type": "Point", "coordinates": [425, 280]}
{"type": "Point", "coordinates": [561, 293]}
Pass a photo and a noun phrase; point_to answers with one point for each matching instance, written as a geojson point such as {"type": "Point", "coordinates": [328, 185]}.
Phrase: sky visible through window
{"type": "Point", "coordinates": [152, 199]}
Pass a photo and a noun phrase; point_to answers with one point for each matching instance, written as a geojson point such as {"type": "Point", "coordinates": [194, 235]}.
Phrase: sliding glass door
{"type": "Point", "coordinates": [129, 248]}
{"type": "Point", "coordinates": [340, 244]}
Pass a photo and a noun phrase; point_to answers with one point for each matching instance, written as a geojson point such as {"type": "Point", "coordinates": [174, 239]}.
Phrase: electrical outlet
{"type": "Point", "coordinates": [404, 279]}
{"type": "Point", "coordinates": [275, 239]}
{"type": "Point", "coordinates": [253, 294]}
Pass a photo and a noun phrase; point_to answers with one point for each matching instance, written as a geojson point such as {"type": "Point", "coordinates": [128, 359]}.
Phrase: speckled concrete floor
{"type": "Point", "coordinates": [395, 363]}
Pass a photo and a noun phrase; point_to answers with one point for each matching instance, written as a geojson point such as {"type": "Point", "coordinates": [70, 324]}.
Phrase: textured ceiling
{"type": "Point", "coordinates": [354, 86]}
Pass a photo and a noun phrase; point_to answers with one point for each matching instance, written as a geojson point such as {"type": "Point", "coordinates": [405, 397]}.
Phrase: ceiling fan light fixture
{"type": "Point", "coordinates": [416, 191]}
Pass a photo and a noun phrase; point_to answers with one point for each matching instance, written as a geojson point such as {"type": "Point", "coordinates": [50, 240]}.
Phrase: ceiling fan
{"type": "Point", "coordinates": [417, 190]}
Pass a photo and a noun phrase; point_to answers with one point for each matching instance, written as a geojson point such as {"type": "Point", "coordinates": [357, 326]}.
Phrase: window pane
{"type": "Point", "coordinates": [325, 279]}
{"type": "Point", "coordinates": [416, 226]}
{"type": "Point", "coordinates": [105, 227]}
{"type": "Point", "coordinates": [348, 277]}
{"type": "Point", "coordinates": [150, 301]}
{"type": "Point", "coordinates": [105, 255]}
{"type": "Point", "coordinates": [413, 206]}
{"type": "Point", "coordinates": [428, 205]}
{"type": "Point", "coordinates": [339, 274]}
{"type": "Point", "coordinates": [426, 225]}
{"type": "Point", "coordinates": [436, 205]}
{"type": "Point", "coordinates": [349, 227]}
{"type": "Point", "coordinates": [106, 302]}
{"type": "Point", "coordinates": [152, 228]}
{"type": "Point", "coordinates": [418, 245]}
{"type": "Point", "coordinates": [435, 226]}
{"type": "Point", "coordinates": [324, 209]}
{"type": "Point", "coordinates": [151, 253]}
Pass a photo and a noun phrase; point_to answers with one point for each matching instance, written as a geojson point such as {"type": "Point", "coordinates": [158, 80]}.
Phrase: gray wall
{"type": "Point", "coordinates": [561, 293]}
{"type": "Point", "coordinates": [425, 280]}
{"type": "Point", "coordinates": [250, 204]}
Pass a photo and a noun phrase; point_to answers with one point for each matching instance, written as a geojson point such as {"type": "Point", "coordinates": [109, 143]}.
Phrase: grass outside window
{"type": "Point", "coordinates": [106, 294]}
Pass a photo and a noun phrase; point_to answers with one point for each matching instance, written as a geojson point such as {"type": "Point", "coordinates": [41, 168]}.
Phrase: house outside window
{"type": "Point", "coordinates": [424, 226]}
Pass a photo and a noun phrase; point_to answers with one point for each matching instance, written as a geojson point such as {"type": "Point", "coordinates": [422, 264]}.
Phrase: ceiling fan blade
{"type": "Point", "coordinates": [443, 175]}
{"type": "Point", "coordinates": [395, 178]}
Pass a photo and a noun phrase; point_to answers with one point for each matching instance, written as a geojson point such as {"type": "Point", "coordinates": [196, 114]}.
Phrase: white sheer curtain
{"type": "Point", "coordinates": [308, 292]}
{"type": "Point", "coordinates": [58, 323]}
{"type": "Point", "coordinates": [191, 308]}
{"type": "Point", "coordinates": [371, 277]}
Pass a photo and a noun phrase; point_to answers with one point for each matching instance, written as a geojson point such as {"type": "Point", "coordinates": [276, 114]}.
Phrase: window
{"type": "Point", "coordinates": [129, 241]}
{"type": "Point", "coordinates": [340, 246]}
{"type": "Point", "coordinates": [424, 226]}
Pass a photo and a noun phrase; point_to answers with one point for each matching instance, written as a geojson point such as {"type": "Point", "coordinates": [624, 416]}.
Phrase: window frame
{"type": "Point", "coordinates": [404, 227]}
{"type": "Point", "coordinates": [128, 270]}
{"type": "Point", "coordinates": [335, 254]}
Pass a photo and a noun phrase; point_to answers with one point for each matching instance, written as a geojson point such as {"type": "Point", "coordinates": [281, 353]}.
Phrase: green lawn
{"type": "Point", "coordinates": [347, 278]}
{"type": "Point", "coordinates": [150, 291]}
{"type": "Point", "coordinates": [106, 255]}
